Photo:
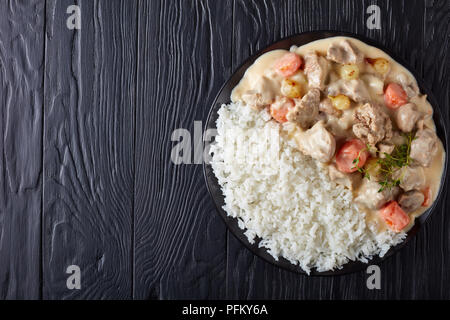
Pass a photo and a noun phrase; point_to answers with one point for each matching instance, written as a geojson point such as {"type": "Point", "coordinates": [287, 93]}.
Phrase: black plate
{"type": "Point", "coordinates": [224, 97]}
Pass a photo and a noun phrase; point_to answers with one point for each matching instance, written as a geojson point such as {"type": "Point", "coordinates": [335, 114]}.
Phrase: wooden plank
{"type": "Point", "coordinates": [21, 103]}
{"type": "Point", "coordinates": [184, 58]}
{"type": "Point", "coordinates": [414, 32]}
{"type": "Point", "coordinates": [88, 149]}
{"type": "Point", "coordinates": [433, 245]}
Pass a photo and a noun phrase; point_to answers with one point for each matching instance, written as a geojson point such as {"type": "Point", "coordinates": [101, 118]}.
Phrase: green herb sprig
{"type": "Point", "coordinates": [356, 161]}
{"type": "Point", "coordinates": [399, 158]}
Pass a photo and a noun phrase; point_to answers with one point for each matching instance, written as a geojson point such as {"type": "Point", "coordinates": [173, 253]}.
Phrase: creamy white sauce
{"type": "Point", "coordinates": [260, 68]}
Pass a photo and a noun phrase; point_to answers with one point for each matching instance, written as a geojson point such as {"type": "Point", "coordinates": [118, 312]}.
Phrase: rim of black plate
{"type": "Point", "coordinates": [214, 188]}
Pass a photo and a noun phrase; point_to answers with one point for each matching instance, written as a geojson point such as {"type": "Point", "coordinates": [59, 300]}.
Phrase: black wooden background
{"type": "Point", "coordinates": [86, 119]}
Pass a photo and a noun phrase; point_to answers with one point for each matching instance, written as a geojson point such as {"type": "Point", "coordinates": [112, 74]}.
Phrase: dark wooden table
{"type": "Point", "coordinates": [86, 122]}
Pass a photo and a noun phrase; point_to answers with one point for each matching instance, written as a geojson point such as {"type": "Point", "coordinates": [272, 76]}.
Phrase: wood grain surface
{"type": "Point", "coordinates": [184, 58]}
{"type": "Point", "coordinates": [88, 149]}
{"type": "Point", "coordinates": [87, 118]}
{"type": "Point", "coordinates": [21, 104]}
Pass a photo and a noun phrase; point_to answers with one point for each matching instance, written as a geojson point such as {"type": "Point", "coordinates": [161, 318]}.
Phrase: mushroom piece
{"type": "Point", "coordinates": [411, 201]}
{"type": "Point", "coordinates": [424, 147]}
{"type": "Point", "coordinates": [407, 117]}
{"type": "Point", "coordinates": [411, 177]}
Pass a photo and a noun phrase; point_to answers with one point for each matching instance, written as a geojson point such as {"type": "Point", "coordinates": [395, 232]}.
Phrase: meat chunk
{"type": "Point", "coordinates": [407, 117]}
{"type": "Point", "coordinates": [261, 95]}
{"type": "Point", "coordinates": [348, 180]}
{"type": "Point", "coordinates": [371, 198]}
{"type": "Point", "coordinates": [317, 142]}
{"type": "Point", "coordinates": [316, 70]}
{"type": "Point", "coordinates": [326, 106]}
{"type": "Point", "coordinates": [424, 147]}
{"type": "Point", "coordinates": [411, 177]}
{"type": "Point", "coordinates": [372, 124]}
{"type": "Point", "coordinates": [373, 83]}
{"type": "Point", "coordinates": [411, 201]}
{"type": "Point", "coordinates": [408, 84]}
{"type": "Point", "coordinates": [255, 99]}
{"type": "Point", "coordinates": [384, 148]}
{"type": "Point", "coordinates": [355, 89]}
{"type": "Point", "coordinates": [344, 52]}
{"type": "Point", "coordinates": [341, 126]}
{"type": "Point", "coordinates": [306, 109]}
{"type": "Point", "coordinates": [397, 138]}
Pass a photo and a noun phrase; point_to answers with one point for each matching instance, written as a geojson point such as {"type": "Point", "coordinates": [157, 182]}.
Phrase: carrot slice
{"type": "Point", "coordinates": [395, 96]}
{"type": "Point", "coordinates": [288, 64]}
{"type": "Point", "coordinates": [280, 108]}
{"type": "Point", "coordinates": [394, 216]}
{"type": "Point", "coordinates": [348, 155]}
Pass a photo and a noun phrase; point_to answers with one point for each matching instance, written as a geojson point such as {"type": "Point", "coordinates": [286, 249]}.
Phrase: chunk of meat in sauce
{"type": "Point", "coordinates": [316, 70]}
{"type": "Point", "coordinates": [411, 201]}
{"type": "Point", "coordinates": [424, 147]}
{"type": "Point", "coordinates": [397, 138]}
{"type": "Point", "coordinates": [344, 52]}
{"type": "Point", "coordinates": [262, 94]}
{"type": "Point", "coordinates": [306, 109]}
{"type": "Point", "coordinates": [408, 84]}
{"type": "Point", "coordinates": [373, 83]}
{"type": "Point", "coordinates": [384, 148]}
{"type": "Point", "coordinates": [326, 106]}
{"type": "Point", "coordinates": [317, 142]}
{"type": "Point", "coordinates": [407, 117]}
{"type": "Point", "coordinates": [348, 180]}
{"type": "Point", "coordinates": [372, 124]}
{"type": "Point", "coordinates": [369, 196]}
{"type": "Point", "coordinates": [411, 177]}
{"type": "Point", "coordinates": [355, 89]}
{"type": "Point", "coordinates": [340, 126]}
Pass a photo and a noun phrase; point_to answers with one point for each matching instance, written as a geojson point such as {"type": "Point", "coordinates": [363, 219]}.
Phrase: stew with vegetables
{"type": "Point", "coordinates": [360, 114]}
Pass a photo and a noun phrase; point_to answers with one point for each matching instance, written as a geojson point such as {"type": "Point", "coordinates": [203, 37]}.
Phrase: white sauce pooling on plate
{"type": "Point", "coordinates": [256, 72]}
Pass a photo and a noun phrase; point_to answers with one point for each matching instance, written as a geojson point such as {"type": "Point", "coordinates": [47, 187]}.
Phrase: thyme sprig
{"type": "Point", "coordinates": [357, 160]}
{"type": "Point", "coordinates": [399, 158]}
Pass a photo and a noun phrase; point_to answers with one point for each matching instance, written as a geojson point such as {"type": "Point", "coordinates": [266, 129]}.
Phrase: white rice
{"type": "Point", "coordinates": [287, 198]}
